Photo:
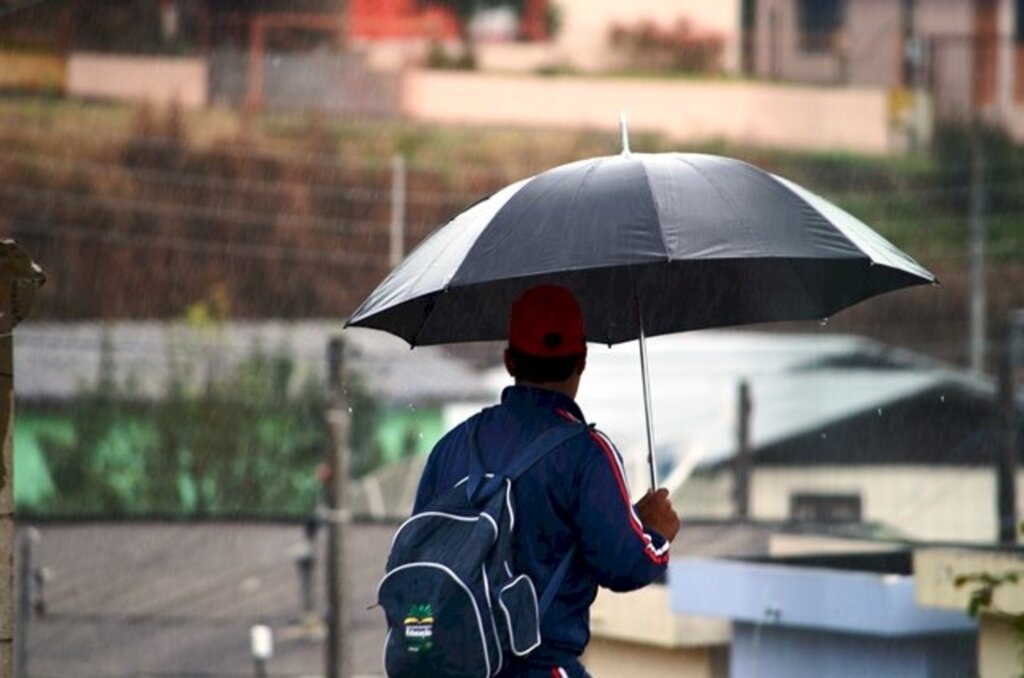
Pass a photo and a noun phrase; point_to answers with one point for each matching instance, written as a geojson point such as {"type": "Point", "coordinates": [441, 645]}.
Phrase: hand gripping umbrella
{"type": "Point", "coordinates": [649, 244]}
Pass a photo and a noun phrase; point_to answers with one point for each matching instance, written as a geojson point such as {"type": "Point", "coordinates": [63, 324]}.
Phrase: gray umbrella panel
{"type": "Point", "coordinates": [687, 240]}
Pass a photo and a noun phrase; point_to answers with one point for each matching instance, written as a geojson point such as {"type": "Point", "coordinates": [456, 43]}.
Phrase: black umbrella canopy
{"type": "Point", "coordinates": [675, 241]}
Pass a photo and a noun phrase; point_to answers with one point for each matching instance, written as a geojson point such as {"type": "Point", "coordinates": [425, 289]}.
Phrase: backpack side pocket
{"type": "Point", "coordinates": [518, 602]}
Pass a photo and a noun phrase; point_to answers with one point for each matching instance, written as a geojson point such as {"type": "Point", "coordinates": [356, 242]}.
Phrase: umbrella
{"type": "Point", "coordinates": [649, 244]}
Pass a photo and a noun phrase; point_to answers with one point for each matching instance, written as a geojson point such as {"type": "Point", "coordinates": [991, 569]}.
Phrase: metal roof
{"type": "Point", "coordinates": [843, 601]}
{"type": "Point", "coordinates": [53, 361]}
{"type": "Point", "coordinates": [798, 383]}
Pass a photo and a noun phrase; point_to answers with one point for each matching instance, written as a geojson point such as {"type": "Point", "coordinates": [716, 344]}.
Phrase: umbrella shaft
{"type": "Point", "coordinates": [645, 376]}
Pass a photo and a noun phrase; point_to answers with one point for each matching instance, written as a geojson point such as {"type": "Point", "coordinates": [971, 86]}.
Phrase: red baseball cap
{"type": "Point", "coordinates": [546, 322]}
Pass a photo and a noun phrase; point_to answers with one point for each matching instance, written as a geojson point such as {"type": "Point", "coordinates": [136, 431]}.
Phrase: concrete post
{"type": "Point", "coordinates": [743, 463]}
{"type": "Point", "coordinates": [978, 235]}
{"type": "Point", "coordinates": [398, 199]}
{"type": "Point", "coordinates": [1006, 456]}
{"type": "Point", "coordinates": [339, 641]}
{"type": "Point", "coordinates": [19, 280]}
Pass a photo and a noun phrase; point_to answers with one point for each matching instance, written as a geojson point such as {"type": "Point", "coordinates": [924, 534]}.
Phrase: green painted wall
{"type": "Point", "coordinates": [403, 432]}
{"type": "Point", "coordinates": [33, 485]}
{"type": "Point", "coordinates": [120, 457]}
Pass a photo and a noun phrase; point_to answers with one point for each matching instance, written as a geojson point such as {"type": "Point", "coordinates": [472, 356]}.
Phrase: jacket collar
{"type": "Point", "coordinates": [540, 398]}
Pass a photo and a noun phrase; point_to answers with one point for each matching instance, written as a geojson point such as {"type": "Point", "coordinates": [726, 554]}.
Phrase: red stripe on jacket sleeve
{"type": "Point", "coordinates": [634, 521]}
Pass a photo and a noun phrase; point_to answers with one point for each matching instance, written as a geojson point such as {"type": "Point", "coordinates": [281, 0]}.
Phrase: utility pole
{"type": "Point", "coordinates": [397, 209]}
{"type": "Point", "coordinates": [27, 539]}
{"type": "Point", "coordinates": [20, 278]}
{"type": "Point", "coordinates": [977, 228]}
{"type": "Point", "coordinates": [338, 516]}
{"type": "Point", "coordinates": [1008, 454]}
{"type": "Point", "coordinates": [1006, 463]}
{"type": "Point", "coordinates": [741, 487]}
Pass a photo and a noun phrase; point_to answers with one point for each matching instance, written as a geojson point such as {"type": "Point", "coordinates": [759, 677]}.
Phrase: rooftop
{"type": "Point", "coordinates": [54, 360]}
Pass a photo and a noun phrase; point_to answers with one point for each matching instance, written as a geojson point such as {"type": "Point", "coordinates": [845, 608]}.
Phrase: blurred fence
{"type": "Point", "coordinates": [328, 81]}
{"type": "Point", "coordinates": [306, 219]}
{"type": "Point", "coordinates": [143, 212]}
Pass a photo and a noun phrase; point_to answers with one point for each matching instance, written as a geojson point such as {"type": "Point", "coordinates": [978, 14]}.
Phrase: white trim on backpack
{"type": "Point", "coordinates": [476, 608]}
{"type": "Point", "coordinates": [384, 655]}
{"type": "Point", "coordinates": [494, 625]}
{"type": "Point", "coordinates": [508, 499]}
{"type": "Point", "coordinates": [508, 617]}
{"type": "Point", "coordinates": [508, 502]}
{"type": "Point", "coordinates": [441, 514]}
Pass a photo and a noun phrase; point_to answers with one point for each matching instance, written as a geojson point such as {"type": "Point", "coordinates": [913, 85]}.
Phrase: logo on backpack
{"type": "Point", "coordinates": [419, 628]}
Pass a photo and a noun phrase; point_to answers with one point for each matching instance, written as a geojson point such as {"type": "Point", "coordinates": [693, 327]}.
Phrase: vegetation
{"type": "Point", "coordinates": [984, 586]}
{"type": "Point", "coordinates": [648, 47]}
{"type": "Point", "coordinates": [290, 213]}
{"type": "Point", "coordinates": [224, 438]}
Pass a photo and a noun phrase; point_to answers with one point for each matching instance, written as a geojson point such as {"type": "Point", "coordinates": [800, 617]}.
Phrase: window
{"type": "Point", "coordinates": [1018, 23]}
{"type": "Point", "coordinates": [1018, 41]}
{"type": "Point", "coordinates": [818, 21]}
{"type": "Point", "coordinates": [808, 507]}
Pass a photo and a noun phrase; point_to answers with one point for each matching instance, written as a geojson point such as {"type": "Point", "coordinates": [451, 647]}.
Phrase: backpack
{"type": "Point", "coordinates": [454, 606]}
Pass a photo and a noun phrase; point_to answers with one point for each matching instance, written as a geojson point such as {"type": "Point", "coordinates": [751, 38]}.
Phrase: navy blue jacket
{"type": "Point", "coordinates": [577, 494]}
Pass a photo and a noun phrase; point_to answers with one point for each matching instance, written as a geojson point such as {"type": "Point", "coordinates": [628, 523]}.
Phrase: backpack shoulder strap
{"type": "Point", "coordinates": [523, 461]}
{"type": "Point", "coordinates": [548, 595]}
{"type": "Point", "coordinates": [533, 453]}
{"type": "Point", "coordinates": [540, 446]}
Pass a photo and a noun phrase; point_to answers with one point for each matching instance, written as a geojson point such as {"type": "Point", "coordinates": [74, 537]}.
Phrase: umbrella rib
{"type": "Point", "coordinates": [661, 231]}
{"type": "Point", "coordinates": [842, 232]}
{"type": "Point", "coordinates": [717, 190]}
{"type": "Point", "coordinates": [431, 304]}
{"type": "Point", "coordinates": [807, 205]}
{"type": "Point", "coordinates": [727, 201]}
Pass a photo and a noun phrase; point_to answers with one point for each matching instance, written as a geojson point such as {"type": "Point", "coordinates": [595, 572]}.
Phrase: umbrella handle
{"type": "Point", "coordinates": [645, 377]}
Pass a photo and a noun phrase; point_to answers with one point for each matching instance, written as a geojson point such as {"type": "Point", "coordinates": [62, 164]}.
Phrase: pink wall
{"type": "Point", "coordinates": [161, 80]}
{"type": "Point", "coordinates": [799, 117]}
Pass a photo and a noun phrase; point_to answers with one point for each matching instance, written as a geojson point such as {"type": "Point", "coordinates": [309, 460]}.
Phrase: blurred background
{"type": "Point", "coordinates": [212, 186]}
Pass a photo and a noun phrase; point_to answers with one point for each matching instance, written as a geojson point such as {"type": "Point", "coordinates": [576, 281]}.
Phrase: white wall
{"type": "Point", "coordinates": [161, 80]}
{"type": "Point", "coordinates": [607, 657]}
{"type": "Point", "coordinates": [638, 632]}
{"type": "Point", "coordinates": [934, 503]}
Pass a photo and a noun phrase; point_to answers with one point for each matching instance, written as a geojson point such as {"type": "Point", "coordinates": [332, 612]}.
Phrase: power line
{"type": "Point", "coordinates": [28, 4]}
{"type": "Point", "coordinates": [358, 193]}
{"type": "Point", "coordinates": [204, 247]}
{"type": "Point", "coordinates": [24, 125]}
{"type": "Point", "coordinates": [238, 217]}
{"type": "Point", "coordinates": [273, 219]}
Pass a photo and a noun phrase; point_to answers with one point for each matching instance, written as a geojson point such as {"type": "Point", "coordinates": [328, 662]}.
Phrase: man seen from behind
{"type": "Point", "coordinates": [575, 498]}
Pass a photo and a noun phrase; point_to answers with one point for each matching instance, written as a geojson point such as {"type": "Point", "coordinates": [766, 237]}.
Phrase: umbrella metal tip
{"type": "Point", "coordinates": [624, 129]}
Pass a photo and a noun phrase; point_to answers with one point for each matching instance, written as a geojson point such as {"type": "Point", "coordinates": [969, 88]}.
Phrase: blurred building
{"type": "Point", "coordinates": [842, 615]}
{"type": "Point", "coordinates": [405, 394]}
{"type": "Point", "coordinates": [949, 578]}
{"type": "Point", "coordinates": [838, 429]}
{"type": "Point", "coordinates": [967, 54]}
{"type": "Point", "coordinates": [841, 430]}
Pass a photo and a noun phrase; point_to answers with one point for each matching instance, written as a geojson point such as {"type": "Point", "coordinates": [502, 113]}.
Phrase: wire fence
{"type": "Point", "coordinates": [291, 214]}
